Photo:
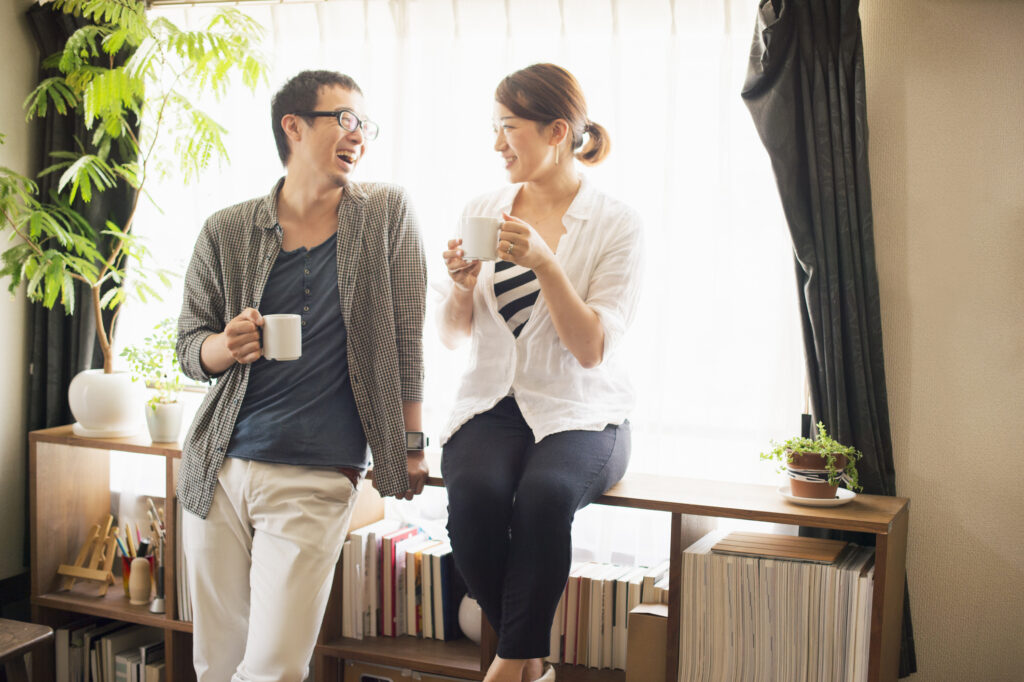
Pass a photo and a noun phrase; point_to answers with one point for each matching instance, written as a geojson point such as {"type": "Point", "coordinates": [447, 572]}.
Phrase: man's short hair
{"type": "Point", "coordinates": [300, 94]}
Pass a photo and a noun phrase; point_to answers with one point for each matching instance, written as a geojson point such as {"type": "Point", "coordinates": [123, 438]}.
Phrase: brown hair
{"type": "Point", "coordinates": [545, 92]}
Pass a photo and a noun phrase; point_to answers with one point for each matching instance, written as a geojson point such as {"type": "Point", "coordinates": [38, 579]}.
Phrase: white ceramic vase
{"type": "Point", "coordinates": [469, 618]}
{"type": "Point", "coordinates": [164, 422]}
{"type": "Point", "coordinates": [105, 405]}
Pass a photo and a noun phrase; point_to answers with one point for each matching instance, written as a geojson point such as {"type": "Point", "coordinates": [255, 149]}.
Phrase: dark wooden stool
{"type": "Point", "coordinates": [16, 640]}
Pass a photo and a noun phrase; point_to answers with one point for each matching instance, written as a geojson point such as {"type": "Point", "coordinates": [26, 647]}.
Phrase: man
{"type": "Point", "coordinates": [272, 461]}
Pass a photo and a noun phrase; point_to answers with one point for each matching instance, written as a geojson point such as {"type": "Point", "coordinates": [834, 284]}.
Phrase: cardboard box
{"type": "Point", "coordinates": [357, 671]}
{"type": "Point", "coordinates": [646, 645]}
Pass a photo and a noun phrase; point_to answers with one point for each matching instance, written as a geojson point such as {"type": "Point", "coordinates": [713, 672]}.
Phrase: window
{"type": "Point", "coordinates": [716, 345]}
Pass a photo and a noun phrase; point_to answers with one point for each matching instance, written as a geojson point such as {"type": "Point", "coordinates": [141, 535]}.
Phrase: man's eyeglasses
{"type": "Point", "coordinates": [348, 121]}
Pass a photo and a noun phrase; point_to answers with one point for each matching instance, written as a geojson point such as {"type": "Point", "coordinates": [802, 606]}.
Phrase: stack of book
{"type": "Point", "coordinates": [775, 607]}
{"type": "Point", "coordinates": [96, 650]}
{"type": "Point", "coordinates": [396, 580]}
{"type": "Point", "coordinates": [592, 620]}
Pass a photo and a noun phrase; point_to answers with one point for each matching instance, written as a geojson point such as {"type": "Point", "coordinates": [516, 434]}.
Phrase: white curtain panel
{"type": "Point", "coordinates": [716, 349]}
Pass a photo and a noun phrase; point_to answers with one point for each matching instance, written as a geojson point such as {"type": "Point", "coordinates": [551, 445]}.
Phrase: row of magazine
{"type": "Point", "coordinates": [759, 607]}
{"type": "Point", "coordinates": [97, 650]}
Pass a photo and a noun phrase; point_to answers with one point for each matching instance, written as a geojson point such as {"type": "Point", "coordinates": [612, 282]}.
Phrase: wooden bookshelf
{"type": "Point", "coordinates": [69, 489]}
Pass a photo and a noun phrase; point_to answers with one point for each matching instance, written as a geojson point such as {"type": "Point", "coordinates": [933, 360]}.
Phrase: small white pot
{"type": "Point", "coordinates": [105, 405]}
{"type": "Point", "coordinates": [164, 422]}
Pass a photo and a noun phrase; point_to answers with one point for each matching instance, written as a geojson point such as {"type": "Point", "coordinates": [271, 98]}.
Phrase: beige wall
{"type": "Point", "coordinates": [946, 116]}
{"type": "Point", "coordinates": [18, 56]}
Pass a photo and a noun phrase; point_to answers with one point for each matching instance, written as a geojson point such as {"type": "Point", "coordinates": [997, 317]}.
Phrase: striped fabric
{"type": "Point", "coordinates": [516, 289]}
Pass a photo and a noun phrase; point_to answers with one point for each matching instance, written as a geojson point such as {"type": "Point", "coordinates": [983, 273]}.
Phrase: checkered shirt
{"type": "Point", "coordinates": [382, 287]}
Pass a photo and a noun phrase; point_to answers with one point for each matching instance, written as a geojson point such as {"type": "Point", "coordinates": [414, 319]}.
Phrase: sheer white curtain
{"type": "Point", "coordinates": [716, 347]}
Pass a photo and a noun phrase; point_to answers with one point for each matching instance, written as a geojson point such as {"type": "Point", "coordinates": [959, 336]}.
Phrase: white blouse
{"type": "Point", "coordinates": [601, 254]}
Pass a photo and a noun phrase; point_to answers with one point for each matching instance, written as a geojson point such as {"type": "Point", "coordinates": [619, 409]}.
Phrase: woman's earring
{"type": "Point", "coordinates": [556, 154]}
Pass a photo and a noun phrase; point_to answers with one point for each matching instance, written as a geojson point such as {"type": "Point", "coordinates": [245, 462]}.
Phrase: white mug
{"type": "Point", "coordinates": [282, 337]}
{"type": "Point", "coordinates": [480, 237]}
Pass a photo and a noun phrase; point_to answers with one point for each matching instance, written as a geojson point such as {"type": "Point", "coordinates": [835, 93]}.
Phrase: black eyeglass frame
{"type": "Point", "coordinates": [360, 122]}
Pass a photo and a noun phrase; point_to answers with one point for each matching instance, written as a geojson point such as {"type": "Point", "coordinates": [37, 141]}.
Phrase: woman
{"type": "Point", "coordinates": [539, 426]}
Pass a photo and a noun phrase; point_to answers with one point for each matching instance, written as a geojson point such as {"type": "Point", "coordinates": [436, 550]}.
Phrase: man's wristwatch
{"type": "Point", "coordinates": [416, 440]}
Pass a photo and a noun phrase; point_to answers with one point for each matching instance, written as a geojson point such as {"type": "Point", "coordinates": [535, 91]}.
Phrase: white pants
{"type": "Point", "coordinates": [260, 568]}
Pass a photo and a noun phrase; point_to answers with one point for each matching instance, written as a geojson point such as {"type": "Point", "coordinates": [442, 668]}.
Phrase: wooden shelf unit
{"type": "Point", "coordinates": [69, 488]}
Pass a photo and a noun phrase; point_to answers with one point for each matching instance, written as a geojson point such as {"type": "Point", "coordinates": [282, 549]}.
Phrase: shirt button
{"type": "Point", "coordinates": [305, 308]}
{"type": "Point", "coordinates": [303, 323]}
{"type": "Point", "coordinates": [306, 291]}
{"type": "Point", "coordinates": [307, 271]}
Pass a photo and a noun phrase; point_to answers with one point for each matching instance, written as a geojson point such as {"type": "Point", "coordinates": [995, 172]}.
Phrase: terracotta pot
{"type": "Point", "coordinates": [813, 462]}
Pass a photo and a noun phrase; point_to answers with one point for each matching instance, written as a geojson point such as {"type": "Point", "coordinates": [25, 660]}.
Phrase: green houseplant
{"type": "Point", "coordinates": [154, 362]}
{"type": "Point", "coordinates": [135, 82]}
{"type": "Point", "coordinates": [816, 466]}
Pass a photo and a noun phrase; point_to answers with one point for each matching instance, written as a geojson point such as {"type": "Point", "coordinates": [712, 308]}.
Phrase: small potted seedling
{"type": "Point", "coordinates": [155, 362]}
{"type": "Point", "coordinates": [816, 467]}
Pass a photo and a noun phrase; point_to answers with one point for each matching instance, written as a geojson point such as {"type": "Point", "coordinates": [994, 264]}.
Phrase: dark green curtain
{"type": "Point", "coordinates": [805, 91]}
{"type": "Point", "coordinates": [63, 345]}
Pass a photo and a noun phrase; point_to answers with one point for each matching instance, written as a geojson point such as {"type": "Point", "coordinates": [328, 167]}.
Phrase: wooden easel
{"type": "Point", "coordinates": [99, 549]}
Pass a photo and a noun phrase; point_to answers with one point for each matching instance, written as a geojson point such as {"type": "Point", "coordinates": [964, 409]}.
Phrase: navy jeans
{"type": "Point", "coordinates": [511, 503]}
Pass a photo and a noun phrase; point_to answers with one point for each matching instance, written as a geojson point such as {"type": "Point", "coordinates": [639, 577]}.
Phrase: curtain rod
{"type": "Point", "coordinates": [167, 3]}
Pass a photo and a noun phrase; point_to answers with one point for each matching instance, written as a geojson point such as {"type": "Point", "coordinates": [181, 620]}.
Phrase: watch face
{"type": "Point", "coordinates": [414, 440]}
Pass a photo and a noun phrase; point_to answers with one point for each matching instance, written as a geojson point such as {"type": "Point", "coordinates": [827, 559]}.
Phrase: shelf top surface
{"type": "Point", "coordinates": [140, 443]}
{"type": "Point", "coordinates": [865, 513]}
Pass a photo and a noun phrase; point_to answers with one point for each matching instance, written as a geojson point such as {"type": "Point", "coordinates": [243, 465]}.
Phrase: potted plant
{"type": "Point", "coordinates": [135, 82]}
{"type": "Point", "coordinates": [816, 466]}
{"type": "Point", "coordinates": [155, 363]}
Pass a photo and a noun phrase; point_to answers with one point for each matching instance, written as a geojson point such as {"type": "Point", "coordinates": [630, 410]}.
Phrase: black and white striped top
{"type": "Point", "coordinates": [516, 289]}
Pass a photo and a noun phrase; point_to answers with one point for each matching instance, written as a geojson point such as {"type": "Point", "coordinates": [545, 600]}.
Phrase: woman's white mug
{"type": "Point", "coordinates": [480, 237]}
{"type": "Point", "coordinates": [282, 337]}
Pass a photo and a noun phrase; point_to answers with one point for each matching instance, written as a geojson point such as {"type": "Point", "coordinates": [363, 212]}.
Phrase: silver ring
{"type": "Point", "coordinates": [509, 250]}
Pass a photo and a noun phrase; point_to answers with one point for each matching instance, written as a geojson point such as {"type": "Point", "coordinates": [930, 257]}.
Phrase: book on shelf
{"type": "Point", "coordinates": [348, 597]}
{"type": "Point", "coordinates": [181, 570]}
{"type": "Point", "coordinates": [150, 652]}
{"type": "Point", "coordinates": [651, 576]}
{"type": "Point", "coordinates": [389, 605]}
{"type": "Point", "coordinates": [91, 649]}
{"type": "Point", "coordinates": [586, 576]}
{"type": "Point", "coordinates": [556, 637]}
{"type": "Point", "coordinates": [572, 606]}
{"type": "Point", "coordinates": [401, 576]}
{"type": "Point", "coordinates": [776, 546]}
{"type": "Point", "coordinates": [156, 672]}
{"type": "Point", "coordinates": [448, 590]}
{"type": "Point", "coordinates": [792, 615]}
{"type": "Point", "coordinates": [369, 537]}
{"type": "Point", "coordinates": [126, 666]}
{"type": "Point", "coordinates": [609, 593]}
{"type": "Point", "coordinates": [414, 605]}
{"type": "Point", "coordinates": [627, 596]}
{"type": "Point", "coordinates": [67, 643]}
